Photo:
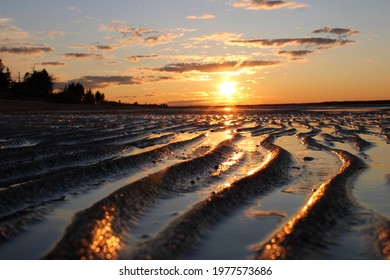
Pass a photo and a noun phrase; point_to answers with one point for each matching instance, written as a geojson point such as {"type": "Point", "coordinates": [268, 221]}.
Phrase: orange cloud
{"type": "Point", "coordinates": [205, 16]}
{"type": "Point", "coordinates": [219, 36]}
{"type": "Point", "coordinates": [227, 66]}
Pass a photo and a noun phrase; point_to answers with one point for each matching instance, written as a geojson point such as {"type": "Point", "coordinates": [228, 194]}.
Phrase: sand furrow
{"type": "Point", "coordinates": [307, 234]}
{"type": "Point", "coordinates": [56, 185]}
{"type": "Point", "coordinates": [123, 207]}
{"type": "Point", "coordinates": [184, 233]}
{"type": "Point", "coordinates": [18, 173]}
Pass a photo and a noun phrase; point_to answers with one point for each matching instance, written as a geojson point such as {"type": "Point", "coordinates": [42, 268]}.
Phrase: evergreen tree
{"type": "Point", "coordinates": [39, 82]}
{"type": "Point", "coordinates": [74, 93]}
{"type": "Point", "coordinates": [89, 97]}
{"type": "Point", "coordinates": [99, 97]}
{"type": "Point", "coordinates": [5, 77]}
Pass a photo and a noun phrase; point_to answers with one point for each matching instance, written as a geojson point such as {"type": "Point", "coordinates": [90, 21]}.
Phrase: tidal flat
{"type": "Point", "coordinates": [195, 184]}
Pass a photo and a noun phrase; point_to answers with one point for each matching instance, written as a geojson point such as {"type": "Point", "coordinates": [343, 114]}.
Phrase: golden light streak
{"type": "Point", "coordinates": [265, 162]}
{"type": "Point", "coordinates": [228, 164]}
{"type": "Point", "coordinates": [104, 243]}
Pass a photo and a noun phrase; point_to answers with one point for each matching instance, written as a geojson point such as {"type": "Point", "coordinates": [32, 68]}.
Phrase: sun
{"type": "Point", "coordinates": [227, 89]}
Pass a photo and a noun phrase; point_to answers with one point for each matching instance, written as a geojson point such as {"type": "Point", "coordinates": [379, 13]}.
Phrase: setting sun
{"type": "Point", "coordinates": [227, 89]}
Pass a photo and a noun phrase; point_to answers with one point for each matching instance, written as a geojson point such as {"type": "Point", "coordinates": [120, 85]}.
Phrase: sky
{"type": "Point", "coordinates": [204, 52]}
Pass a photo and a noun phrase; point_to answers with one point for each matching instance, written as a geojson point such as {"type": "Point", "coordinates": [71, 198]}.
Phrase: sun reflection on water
{"type": "Point", "coordinates": [275, 249]}
{"type": "Point", "coordinates": [384, 237]}
{"type": "Point", "coordinates": [265, 162]}
{"type": "Point", "coordinates": [228, 164]}
{"type": "Point", "coordinates": [104, 243]}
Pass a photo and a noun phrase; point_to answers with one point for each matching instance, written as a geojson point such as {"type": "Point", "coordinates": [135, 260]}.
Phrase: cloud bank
{"type": "Point", "coordinates": [96, 81]}
{"type": "Point", "coordinates": [26, 49]}
{"type": "Point", "coordinates": [228, 66]}
{"type": "Point", "coordinates": [310, 41]}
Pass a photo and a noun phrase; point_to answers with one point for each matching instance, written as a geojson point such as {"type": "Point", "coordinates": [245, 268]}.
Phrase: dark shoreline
{"type": "Point", "coordinates": [10, 106]}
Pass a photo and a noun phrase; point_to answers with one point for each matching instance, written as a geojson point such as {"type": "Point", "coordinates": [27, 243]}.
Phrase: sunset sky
{"type": "Point", "coordinates": [202, 52]}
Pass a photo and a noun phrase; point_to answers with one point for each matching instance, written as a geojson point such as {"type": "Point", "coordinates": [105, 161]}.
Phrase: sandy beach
{"type": "Point", "coordinates": [178, 184]}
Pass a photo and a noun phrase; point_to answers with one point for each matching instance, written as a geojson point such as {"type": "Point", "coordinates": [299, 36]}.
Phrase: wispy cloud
{"type": "Point", "coordinates": [83, 55]}
{"type": "Point", "coordinates": [219, 36]}
{"type": "Point", "coordinates": [266, 4]}
{"type": "Point", "coordinates": [53, 34]}
{"type": "Point", "coordinates": [74, 9]}
{"type": "Point", "coordinates": [141, 35]}
{"type": "Point", "coordinates": [110, 47]}
{"type": "Point", "coordinates": [153, 79]}
{"type": "Point", "coordinates": [228, 66]}
{"type": "Point", "coordinates": [337, 31]}
{"type": "Point", "coordinates": [309, 41]}
{"type": "Point", "coordinates": [296, 54]}
{"type": "Point", "coordinates": [14, 40]}
{"type": "Point", "coordinates": [97, 47]}
{"type": "Point", "coordinates": [10, 33]}
{"type": "Point", "coordinates": [113, 62]}
{"type": "Point", "coordinates": [2, 20]}
{"type": "Point", "coordinates": [137, 58]}
{"type": "Point", "coordinates": [52, 63]}
{"type": "Point", "coordinates": [108, 81]}
{"type": "Point", "coordinates": [161, 39]}
{"type": "Point", "coordinates": [125, 30]}
{"type": "Point", "coordinates": [307, 45]}
{"type": "Point", "coordinates": [26, 49]}
{"type": "Point", "coordinates": [205, 16]}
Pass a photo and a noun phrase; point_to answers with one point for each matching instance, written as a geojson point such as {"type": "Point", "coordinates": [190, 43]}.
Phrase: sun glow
{"type": "Point", "coordinates": [227, 89]}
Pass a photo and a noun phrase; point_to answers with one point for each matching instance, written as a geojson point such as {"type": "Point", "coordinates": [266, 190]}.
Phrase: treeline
{"type": "Point", "coordinates": [75, 93]}
{"type": "Point", "coordinates": [39, 84]}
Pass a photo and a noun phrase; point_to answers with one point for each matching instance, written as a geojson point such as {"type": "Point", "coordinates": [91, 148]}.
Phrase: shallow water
{"type": "Point", "coordinates": [372, 187]}
{"type": "Point", "coordinates": [48, 197]}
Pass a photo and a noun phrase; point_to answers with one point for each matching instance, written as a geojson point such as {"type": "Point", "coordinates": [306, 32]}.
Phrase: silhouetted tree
{"type": "Point", "coordinates": [5, 77]}
{"type": "Point", "coordinates": [99, 97]}
{"type": "Point", "coordinates": [89, 97]}
{"type": "Point", "coordinates": [39, 82]}
{"type": "Point", "coordinates": [73, 93]}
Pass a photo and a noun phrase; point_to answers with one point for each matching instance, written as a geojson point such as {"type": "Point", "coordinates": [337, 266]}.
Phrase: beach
{"type": "Point", "coordinates": [221, 183]}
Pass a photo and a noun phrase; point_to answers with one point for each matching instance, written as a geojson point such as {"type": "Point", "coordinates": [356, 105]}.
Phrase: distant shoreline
{"type": "Point", "coordinates": [12, 105]}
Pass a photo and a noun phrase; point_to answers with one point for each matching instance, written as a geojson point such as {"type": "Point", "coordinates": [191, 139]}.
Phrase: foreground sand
{"type": "Point", "coordinates": [108, 184]}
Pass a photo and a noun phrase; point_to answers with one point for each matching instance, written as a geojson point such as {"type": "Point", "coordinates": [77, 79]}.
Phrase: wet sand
{"type": "Point", "coordinates": [179, 184]}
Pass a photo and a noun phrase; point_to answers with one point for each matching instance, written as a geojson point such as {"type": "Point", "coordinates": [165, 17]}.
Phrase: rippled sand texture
{"type": "Point", "coordinates": [228, 185]}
